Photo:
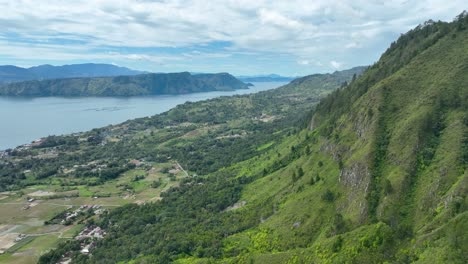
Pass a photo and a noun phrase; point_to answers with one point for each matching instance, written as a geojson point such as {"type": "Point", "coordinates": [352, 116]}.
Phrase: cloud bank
{"type": "Point", "coordinates": [243, 37]}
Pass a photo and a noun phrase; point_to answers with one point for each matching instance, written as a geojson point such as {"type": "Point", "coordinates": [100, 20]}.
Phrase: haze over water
{"type": "Point", "coordinates": [26, 119]}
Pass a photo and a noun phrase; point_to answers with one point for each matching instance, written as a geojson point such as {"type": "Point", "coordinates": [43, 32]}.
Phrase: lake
{"type": "Point", "coordinates": [26, 119]}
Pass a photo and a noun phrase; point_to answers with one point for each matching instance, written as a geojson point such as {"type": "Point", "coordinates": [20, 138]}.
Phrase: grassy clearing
{"type": "Point", "coordinates": [74, 230]}
{"type": "Point", "coordinates": [20, 244]}
{"type": "Point", "coordinates": [9, 258]}
{"type": "Point", "coordinates": [265, 146]}
{"type": "Point", "coordinates": [84, 191]}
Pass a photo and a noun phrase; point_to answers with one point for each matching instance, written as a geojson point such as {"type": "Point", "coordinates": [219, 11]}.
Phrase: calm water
{"type": "Point", "coordinates": [23, 120]}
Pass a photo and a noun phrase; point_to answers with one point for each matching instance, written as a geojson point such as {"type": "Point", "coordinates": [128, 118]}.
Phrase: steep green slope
{"type": "Point", "coordinates": [143, 84]}
{"type": "Point", "coordinates": [386, 175]}
{"type": "Point", "coordinates": [379, 175]}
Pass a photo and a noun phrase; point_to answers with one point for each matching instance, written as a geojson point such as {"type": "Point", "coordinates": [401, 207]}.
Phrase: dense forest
{"type": "Point", "coordinates": [376, 173]}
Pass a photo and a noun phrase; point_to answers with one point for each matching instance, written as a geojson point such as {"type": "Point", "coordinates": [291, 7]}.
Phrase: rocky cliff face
{"type": "Point", "coordinates": [399, 135]}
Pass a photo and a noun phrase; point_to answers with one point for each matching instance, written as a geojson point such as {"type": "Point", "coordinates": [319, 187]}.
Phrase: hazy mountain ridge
{"type": "Point", "coordinates": [136, 85]}
{"type": "Point", "coordinates": [81, 70]}
{"type": "Point", "coordinates": [266, 78]}
{"type": "Point", "coordinates": [9, 73]}
{"type": "Point", "coordinates": [323, 82]}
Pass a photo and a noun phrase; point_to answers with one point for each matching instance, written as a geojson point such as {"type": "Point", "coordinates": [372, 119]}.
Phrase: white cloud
{"type": "Point", "coordinates": [335, 64]}
{"type": "Point", "coordinates": [319, 29]}
{"type": "Point", "coordinates": [275, 18]}
{"type": "Point", "coordinates": [353, 45]}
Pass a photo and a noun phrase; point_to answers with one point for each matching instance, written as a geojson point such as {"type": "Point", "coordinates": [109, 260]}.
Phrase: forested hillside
{"type": "Point", "coordinates": [136, 85]}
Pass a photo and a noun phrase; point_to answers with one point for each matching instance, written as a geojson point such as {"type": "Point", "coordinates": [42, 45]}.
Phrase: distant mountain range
{"type": "Point", "coordinates": [266, 78]}
{"type": "Point", "coordinates": [92, 79]}
{"type": "Point", "coordinates": [10, 73]}
{"type": "Point", "coordinates": [136, 85]}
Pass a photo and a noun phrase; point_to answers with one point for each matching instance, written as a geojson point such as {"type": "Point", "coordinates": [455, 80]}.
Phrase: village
{"type": "Point", "coordinates": [60, 226]}
{"type": "Point", "coordinates": [87, 238]}
{"type": "Point", "coordinates": [81, 213]}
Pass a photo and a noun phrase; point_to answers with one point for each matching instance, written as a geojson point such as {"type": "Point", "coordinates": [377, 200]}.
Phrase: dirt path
{"type": "Point", "coordinates": [60, 234]}
{"type": "Point", "coordinates": [7, 229]}
{"type": "Point", "coordinates": [182, 169]}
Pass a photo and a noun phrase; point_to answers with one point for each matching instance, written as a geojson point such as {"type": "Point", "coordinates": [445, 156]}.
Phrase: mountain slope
{"type": "Point", "coordinates": [10, 74]}
{"type": "Point", "coordinates": [143, 84]}
{"type": "Point", "coordinates": [266, 78]}
{"type": "Point", "coordinates": [401, 143]}
{"type": "Point", "coordinates": [386, 175]}
{"type": "Point", "coordinates": [80, 70]}
{"type": "Point", "coordinates": [324, 81]}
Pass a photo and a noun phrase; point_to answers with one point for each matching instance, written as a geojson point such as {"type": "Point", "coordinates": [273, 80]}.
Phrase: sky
{"type": "Point", "coordinates": [243, 37]}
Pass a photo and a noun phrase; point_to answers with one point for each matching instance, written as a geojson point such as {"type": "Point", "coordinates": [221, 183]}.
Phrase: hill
{"type": "Point", "coordinates": [323, 82]}
{"type": "Point", "coordinates": [80, 70]}
{"type": "Point", "coordinates": [10, 73]}
{"type": "Point", "coordinates": [137, 85]}
{"type": "Point", "coordinates": [266, 78]}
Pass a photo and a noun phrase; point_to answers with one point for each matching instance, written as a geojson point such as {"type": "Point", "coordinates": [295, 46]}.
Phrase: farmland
{"type": "Point", "coordinates": [24, 234]}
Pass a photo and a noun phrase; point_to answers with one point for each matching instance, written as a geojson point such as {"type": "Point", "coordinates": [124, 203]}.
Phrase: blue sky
{"type": "Point", "coordinates": [243, 37]}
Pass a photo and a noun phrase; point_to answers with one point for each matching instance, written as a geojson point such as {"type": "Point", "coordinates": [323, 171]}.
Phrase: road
{"type": "Point", "coordinates": [44, 234]}
{"type": "Point", "coordinates": [182, 169]}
